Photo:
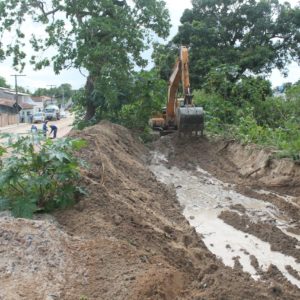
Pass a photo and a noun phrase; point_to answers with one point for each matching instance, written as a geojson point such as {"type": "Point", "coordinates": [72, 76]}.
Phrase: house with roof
{"type": "Point", "coordinates": [13, 111]}
{"type": "Point", "coordinates": [8, 112]}
{"type": "Point", "coordinates": [41, 101]}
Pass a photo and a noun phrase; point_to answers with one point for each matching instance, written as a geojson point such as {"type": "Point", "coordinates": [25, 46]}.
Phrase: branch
{"type": "Point", "coordinates": [40, 5]}
{"type": "Point", "coordinates": [82, 73]}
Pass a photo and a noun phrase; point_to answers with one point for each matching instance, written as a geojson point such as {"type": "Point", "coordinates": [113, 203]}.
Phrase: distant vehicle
{"type": "Point", "coordinates": [38, 117]}
{"type": "Point", "coordinates": [63, 114]}
{"type": "Point", "coordinates": [52, 112]}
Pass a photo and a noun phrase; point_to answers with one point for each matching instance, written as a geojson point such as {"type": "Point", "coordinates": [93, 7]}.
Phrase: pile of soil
{"type": "Point", "coordinates": [126, 240]}
{"type": "Point", "coordinates": [36, 259]}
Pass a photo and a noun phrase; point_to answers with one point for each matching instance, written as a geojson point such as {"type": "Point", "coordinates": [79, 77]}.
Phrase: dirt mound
{"type": "Point", "coordinates": [36, 260]}
{"type": "Point", "coordinates": [260, 164]}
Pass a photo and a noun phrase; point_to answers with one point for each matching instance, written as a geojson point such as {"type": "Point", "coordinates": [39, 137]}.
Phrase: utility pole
{"type": "Point", "coordinates": [63, 98]}
{"type": "Point", "coordinates": [16, 89]}
{"type": "Point", "coordinates": [51, 86]}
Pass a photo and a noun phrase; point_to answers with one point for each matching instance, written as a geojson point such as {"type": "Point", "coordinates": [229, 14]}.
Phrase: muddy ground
{"type": "Point", "coordinates": [131, 237]}
{"type": "Point", "coordinates": [221, 183]}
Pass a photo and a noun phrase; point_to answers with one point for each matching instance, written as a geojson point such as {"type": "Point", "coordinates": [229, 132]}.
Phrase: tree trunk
{"type": "Point", "coordinates": [90, 106]}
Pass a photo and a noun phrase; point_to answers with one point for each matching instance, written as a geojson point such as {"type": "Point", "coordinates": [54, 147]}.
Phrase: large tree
{"type": "Point", "coordinates": [104, 37]}
{"type": "Point", "coordinates": [250, 36]}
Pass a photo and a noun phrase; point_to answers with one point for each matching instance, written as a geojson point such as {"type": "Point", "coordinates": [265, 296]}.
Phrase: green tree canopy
{"type": "Point", "coordinates": [63, 91]}
{"type": "Point", "coordinates": [251, 36]}
{"type": "Point", "coordinates": [104, 37]}
{"type": "Point", "coordinates": [293, 92]}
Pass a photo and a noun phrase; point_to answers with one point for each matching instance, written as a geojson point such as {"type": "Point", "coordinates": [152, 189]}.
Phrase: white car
{"type": "Point", "coordinates": [38, 117]}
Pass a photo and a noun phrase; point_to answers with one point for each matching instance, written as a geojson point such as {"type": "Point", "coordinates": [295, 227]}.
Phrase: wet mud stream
{"type": "Point", "coordinates": [204, 198]}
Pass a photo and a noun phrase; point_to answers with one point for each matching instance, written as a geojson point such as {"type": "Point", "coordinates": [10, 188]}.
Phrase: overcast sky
{"type": "Point", "coordinates": [43, 78]}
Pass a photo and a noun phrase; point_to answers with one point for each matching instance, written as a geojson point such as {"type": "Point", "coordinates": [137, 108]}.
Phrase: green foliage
{"type": "Point", "coordinates": [285, 138]}
{"type": "Point", "coordinates": [248, 113]}
{"type": "Point", "coordinates": [164, 57]}
{"type": "Point", "coordinates": [39, 174]}
{"type": "Point", "coordinates": [218, 111]}
{"type": "Point", "coordinates": [248, 36]}
{"type": "Point", "coordinates": [3, 82]}
{"type": "Point", "coordinates": [293, 92]}
{"type": "Point", "coordinates": [62, 92]}
{"type": "Point", "coordinates": [105, 37]}
{"type": "Point", "coordinates": [148, 96]}
{"type": "Point", "coordinates": [134, 107]}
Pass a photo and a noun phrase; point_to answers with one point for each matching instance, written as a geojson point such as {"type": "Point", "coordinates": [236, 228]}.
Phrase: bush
{"type": "Point", "coordinates": [39, 174]}
{"type": "Point", "coordinates": [269, 122]}
{"type": "Point", "coordinates": [218, 111]}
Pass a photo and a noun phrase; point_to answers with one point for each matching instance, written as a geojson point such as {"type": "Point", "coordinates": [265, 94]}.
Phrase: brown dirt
{"type": "Point", "coordinates": [128, 239]}
{"type": "Point", "coordinates": [142, 247]}
{"type": "Point", "coordinates": [293, 272]}
{"type": "Point", "coordinates": [248, 166]}
{"type": "Point", "coordinates": [245, 168]}
{"type": "Point", "coordinates": [266, 232]}
{"type": "Point", "coordinates": [254, 263]}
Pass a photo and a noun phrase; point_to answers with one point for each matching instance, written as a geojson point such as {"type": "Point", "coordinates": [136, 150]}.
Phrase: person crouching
{"type": "Point", "coordinates": [53, 130]}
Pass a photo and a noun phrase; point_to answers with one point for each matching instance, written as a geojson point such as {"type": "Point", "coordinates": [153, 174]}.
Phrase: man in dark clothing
{"type": "Point", "coordinates": [45, 128]}
{"type": "Point", "coordinates": [54, 130]}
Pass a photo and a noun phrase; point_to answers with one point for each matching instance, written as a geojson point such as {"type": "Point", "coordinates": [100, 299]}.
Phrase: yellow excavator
{"type": "Point", "coordinates": [180, 113]}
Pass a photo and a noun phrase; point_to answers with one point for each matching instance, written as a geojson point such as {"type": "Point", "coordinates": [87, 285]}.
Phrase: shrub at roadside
{"type": "Point", "coordinates": [38, 174]}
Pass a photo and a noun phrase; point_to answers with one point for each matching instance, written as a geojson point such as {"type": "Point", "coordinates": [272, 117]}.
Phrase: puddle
{"type": "Point", "coordinates": [204, 198]}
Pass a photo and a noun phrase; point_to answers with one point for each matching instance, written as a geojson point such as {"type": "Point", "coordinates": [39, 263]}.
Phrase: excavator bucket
{"type": "Point", "coordinates": [190, 120]}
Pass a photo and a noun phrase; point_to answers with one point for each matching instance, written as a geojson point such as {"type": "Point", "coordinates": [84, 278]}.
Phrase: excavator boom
{"type": "Point", "coordinates": [181, 115]}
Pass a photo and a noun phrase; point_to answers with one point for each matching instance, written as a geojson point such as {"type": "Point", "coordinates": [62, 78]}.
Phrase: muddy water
{"type": "Point", "coordinates": [205, 197]}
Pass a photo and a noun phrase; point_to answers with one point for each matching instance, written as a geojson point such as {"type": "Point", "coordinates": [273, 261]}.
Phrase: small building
{"type": "Point", "coordinates": [41, 101]}
{"type": "Point", "coordinates": [25, 103]}
{"type": "Point", "coordinates": [26, 113]}
{"type": "Point", "coordinates": [8, 112]}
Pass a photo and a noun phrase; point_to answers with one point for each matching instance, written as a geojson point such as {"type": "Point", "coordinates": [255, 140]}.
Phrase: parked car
{"type": "Point", "coordinates": [38, 117]}
{"type": "Point", "coordinates": [52, 112]}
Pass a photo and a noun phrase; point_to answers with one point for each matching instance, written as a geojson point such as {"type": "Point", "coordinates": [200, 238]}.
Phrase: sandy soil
{"type": "Point", "coordinates": [129, 239]}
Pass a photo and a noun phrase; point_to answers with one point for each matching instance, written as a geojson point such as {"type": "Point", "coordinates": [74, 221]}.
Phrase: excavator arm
{"type": "Point", "coordinates": [187, 118]}
{"type": "Point", "coordinates": [180, 73]}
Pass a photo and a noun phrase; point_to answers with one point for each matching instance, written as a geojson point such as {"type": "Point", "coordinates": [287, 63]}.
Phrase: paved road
{"type": "Point", "coordinates": [64, 126]}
